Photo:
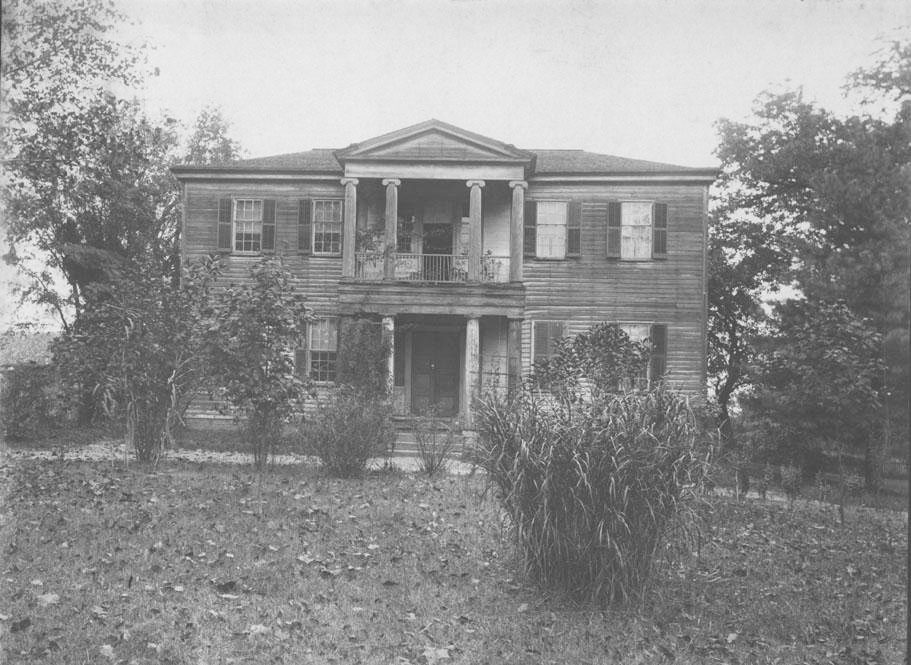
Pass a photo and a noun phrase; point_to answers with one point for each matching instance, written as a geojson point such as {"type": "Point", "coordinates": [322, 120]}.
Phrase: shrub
{"type": "Point", "coordinates": [350, 429]}
{"type": "Point", "coordinates": [30, 401]}
{"type": "Point", "coordinates": [252, 336]}
{"type": "Point", "coordinates": [436, 441]}
{"type": "Point", "coordinates": [593, 487]}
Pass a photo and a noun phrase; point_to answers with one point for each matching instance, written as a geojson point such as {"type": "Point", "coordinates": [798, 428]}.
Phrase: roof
{"type": "Point", "coordinates": [545, 162]}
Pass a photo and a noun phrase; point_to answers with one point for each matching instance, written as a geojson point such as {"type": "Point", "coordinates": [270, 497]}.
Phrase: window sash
{"type": "Point", "coordinates": [550, 241]}
{"type": "Point", "coordinates": [322, 345]}
{"type": "Point", "coordinates": [636, 230]}
{"type": "Point", "coordinates": [248, 225]}
{"type": "Point", "coordinates": [326, 223]}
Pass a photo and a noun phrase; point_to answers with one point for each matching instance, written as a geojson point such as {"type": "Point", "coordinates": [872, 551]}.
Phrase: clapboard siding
{"type": "Point", "coordinates": [592, 288]}
{"type": "Point", "coordinates": [582, 290]}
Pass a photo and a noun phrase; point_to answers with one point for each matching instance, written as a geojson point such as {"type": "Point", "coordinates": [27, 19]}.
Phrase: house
{"type": "Point", "coordinates": [474, 255]}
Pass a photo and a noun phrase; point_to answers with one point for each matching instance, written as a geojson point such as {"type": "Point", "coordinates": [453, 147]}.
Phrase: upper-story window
{"type": "Point", "coordinates": [553, 229]}
{"type": "Point", "coordinates": [327, 227]}
{"type": "Point", "coordinates": [637, 230]}
{"type": "Point", "coordinates": [246, 226]}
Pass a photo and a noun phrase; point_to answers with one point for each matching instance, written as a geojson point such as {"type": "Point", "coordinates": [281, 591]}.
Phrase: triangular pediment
{"type": "Point", "coordinates": [434, 141]}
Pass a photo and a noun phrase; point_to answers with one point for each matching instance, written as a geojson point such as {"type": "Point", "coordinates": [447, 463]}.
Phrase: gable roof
{"type": "Point", "coordinates": [434, 140]}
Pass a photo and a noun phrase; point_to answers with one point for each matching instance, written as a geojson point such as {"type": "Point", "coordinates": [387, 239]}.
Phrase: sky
{"type": "Point", "coordinates": [642, 79]}
{"type": "Point", "coordinates": [638, 79]}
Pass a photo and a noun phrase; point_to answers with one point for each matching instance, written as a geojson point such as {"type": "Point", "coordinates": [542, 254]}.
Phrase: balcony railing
{"type": "Point", "coordinates": [450, 268]}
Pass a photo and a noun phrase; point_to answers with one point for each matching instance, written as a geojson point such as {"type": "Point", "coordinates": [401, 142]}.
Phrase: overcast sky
{"type": "Point", "coordinates": [631, 78]}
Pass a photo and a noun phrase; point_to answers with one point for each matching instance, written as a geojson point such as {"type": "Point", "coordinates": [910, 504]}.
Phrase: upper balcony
{"type": "Point", "coordinates": [431, 268]}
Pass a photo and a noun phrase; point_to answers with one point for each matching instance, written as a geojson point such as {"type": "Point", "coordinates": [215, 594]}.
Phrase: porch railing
{"type": "Point", "coordinates": [452, 268]}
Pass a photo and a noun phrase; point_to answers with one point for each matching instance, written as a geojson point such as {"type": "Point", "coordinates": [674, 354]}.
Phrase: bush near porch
{"type": "Point", "coordinates": [213, 563]}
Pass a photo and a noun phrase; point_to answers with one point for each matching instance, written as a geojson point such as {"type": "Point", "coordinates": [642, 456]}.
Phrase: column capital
{"type": "Point", "coordinates": [518, 183]}
{"type": "Point", "coordinates": [391, 181]}
{"type": "Point", "coordinates": [349, 181]}
{"type": "Point", "coordinates": [475, 183]}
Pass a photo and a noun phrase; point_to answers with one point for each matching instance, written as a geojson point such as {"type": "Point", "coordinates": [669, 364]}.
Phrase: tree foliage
{"type": "Point", "coordinates": [210, 143]}
{"type": "Point", "coordinates": [820, 204]}
{"type": "Point", "coordinates": [600, 360]}
{"type": "Point", "coordinates": [252, 335]}
{"type": "Point", "coordinates": [137, 346]}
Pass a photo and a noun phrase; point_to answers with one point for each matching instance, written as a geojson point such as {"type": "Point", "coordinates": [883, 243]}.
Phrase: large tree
{"type": "Point", "coordinates": [823, 202]}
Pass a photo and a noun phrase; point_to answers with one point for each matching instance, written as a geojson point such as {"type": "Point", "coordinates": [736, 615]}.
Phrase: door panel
{"type": "Point", "coordinates": [435, 373]}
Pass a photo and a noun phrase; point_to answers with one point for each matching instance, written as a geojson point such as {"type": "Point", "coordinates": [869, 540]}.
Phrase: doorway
{"type": "Point", "coordinates": [435, 373]}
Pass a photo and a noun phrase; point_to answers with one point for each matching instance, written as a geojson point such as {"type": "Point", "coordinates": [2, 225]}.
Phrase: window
{"type": "Point", "coordinates": [655, 335]}
{"type": "Point", "coordinates": [327, 227]}
{"type": "Point", "coordinates": [637, 230]}
{"type": "Point", "coordinates": [550, 241]}
{"type": "Point", "coordinates": [553, 229]}
{"type": "Point", "coordinates": [246, 226]}
{"type": "Point", "coordinates": [322, 347]}
{"type": "Point", "coordinates": [544, 337]}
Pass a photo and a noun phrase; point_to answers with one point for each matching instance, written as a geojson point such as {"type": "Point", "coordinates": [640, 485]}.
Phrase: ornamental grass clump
{"type": "Point", "coordinates": [594, 488]}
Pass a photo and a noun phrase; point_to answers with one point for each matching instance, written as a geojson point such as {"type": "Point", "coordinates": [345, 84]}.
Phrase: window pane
{"type": "Point", "coordinates": [637, 332]}
{"type": "Point", "coordinates": [636, 231]}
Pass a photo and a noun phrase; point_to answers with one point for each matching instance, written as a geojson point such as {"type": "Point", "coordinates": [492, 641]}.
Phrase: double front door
{"type": "Point", "coordinates": [435, 373]}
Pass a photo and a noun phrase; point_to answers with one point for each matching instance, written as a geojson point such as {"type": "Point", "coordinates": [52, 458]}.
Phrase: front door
{"type": "Point", "coordinates": [435, 373]}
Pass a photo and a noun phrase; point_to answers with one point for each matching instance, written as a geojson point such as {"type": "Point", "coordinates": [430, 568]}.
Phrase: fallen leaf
{"type": "Point", "coordinates": [46, 599]}
{"type": "Point", "coordinates": [22, 624]}
{"type": "Point", "coordinates": [107, 651]}
{"type": "Point", "coordinates": [435, 654]}
{"type": "Point", "coordinates": [522, 608]}
{"type": "Point", "coordinates": [259, 629]}
{"type": "Point", "coordinates": [731, 637]}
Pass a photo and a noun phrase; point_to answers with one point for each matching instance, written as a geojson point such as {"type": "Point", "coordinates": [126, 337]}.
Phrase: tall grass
{"type": "Point", "coordinates": [594, 488]}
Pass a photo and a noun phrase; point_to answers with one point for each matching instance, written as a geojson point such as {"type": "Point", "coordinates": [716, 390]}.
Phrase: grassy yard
{"type": "Point", "coordinates": [208, 564]}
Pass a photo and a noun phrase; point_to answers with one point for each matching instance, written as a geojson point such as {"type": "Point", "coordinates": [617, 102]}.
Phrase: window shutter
{"type": "Point", "coordinates": [574, 229]}
{"type": "Point", "coordinates": [269, 225]}
{"type": "Point", "coordinates": [658, 359]}
{"type": "Point", "coordinates": [530, 238]}
{"type": "Point", "coordinates": [540, 338]}
{"type": "Point", "coordinates": [303, 227]}
{"type": "Point", "coordinates": [301, 364]}
{"type": "Point", "coordinates": [614, 220]}
{"type": "Point", "coordinates": [659, 231]}
{"type": "Point", "coordinates": [224, 225]}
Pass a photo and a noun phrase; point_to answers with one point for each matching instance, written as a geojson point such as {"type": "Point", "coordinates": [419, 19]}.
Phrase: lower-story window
{"type": "Point", "coordinates": [319, 359]}
{"type": "Point", "coordinates": [544, 338]}
{"type": "Point", "coordinates": [655, 334]}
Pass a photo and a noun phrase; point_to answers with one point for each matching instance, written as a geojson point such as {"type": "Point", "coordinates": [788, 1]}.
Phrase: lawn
{"type": "Point", "coordinates": [211, 564]}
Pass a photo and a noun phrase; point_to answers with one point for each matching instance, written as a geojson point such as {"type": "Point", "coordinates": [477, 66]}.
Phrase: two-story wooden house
{"type": "Point", "coordinates": [475, 255]}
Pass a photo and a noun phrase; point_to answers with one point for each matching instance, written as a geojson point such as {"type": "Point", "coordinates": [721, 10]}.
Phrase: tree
{"type": "Point", "coordinates": [210, 143]}
{"type": "Point", "coordinates": [252, 335]}
{"type": "Point", "coordinates": [832, 197]}
{"type": "Point", "coordinates": [819, 391]}
{"type": "Point", "coordinates": [81, 167]}
{"type": "Point", "coordinates": [138, 346]}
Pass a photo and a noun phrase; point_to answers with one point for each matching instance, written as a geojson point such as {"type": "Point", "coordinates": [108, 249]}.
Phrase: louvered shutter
{"type": "Point", "coordinates": [268, 225]}
{"type": "Point", "coordinates": [546, 333]}
{"type": "Point", "coordinates": [303, 227]}
{"type": "Point", "coordinates": [658, 357]}
{"type": "Point", "coordinates": [659, 232]}
{"type": "Point", "coordinates": [530, 237]}
{"type": "Point", "coordinates": [574, 229]}
{"type": "Point", "coordinates": [224, 225]}
{"type": "Point", "coordinates": [614, 221]}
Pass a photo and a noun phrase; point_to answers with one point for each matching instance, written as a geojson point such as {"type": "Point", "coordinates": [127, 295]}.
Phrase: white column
{"type": "Point", "coordinates": [475, 230]}
{"type": "Point", "coordinates": [517, 229]}
{"type": "Point", "coordinates": [349, 227]}
{"type": "Point", "coordinates": [392, 223]}
{"type": "Point", "coordinates": [389, 345]}
{"type": "Point", "coordinates": [472, 371]}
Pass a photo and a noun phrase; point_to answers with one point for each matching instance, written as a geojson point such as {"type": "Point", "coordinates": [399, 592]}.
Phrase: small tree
{"type": "Point", "coordinates": [136, 345]}
{"type": "Point", "coordinates": [255, 328]}
{"type": "Point", "coordinates": [354, 426]}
